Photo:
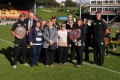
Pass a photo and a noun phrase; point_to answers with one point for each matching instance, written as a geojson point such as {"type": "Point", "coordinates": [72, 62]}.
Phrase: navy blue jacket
{"type": "Point", "coordinates": [32, 35]}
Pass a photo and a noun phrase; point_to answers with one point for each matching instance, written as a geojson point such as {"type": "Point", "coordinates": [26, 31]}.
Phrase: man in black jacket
{"type": "Point", "coordinates": [87, 39]}
{"type": "Point", "coordinates": [98, 28]}
{"type": "Point", "coordinates": [19, 31]}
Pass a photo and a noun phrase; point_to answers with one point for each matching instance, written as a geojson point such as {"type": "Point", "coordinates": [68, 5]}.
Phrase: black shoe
{"type": "Point", "coordinates": [86, 60]}
{"type": "Point", "coordinates": [32, 65]}
{"type": "Point", "coordinates": [101, 65]}
{"type": "Point", "coordinates": [36, 64]}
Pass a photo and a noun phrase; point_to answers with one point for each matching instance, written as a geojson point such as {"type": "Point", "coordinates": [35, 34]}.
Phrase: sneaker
{"type": "Point", "coordinates": [78, 66]}
{"type": "Point", "coordinates": [14, 66]}
{"type": "Point", "coordinates": [46, 65]}
{"type": "Point", "coordinates": [25, 64]}
{"type": "Point", "coordinates": [60, 63]}
{"type": "Point", "coordinates": [52, 65]}
{"type": "Point", "coordinates": [113, 49]}
{"type": "Point", "coordinates": [65, 64]}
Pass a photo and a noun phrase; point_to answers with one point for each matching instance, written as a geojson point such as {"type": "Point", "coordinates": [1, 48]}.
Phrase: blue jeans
{"type": "Point", "coordinates": [36, 49]}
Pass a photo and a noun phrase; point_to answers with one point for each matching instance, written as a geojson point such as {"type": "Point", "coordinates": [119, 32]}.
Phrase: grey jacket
{"type": "Point", "coordinates": [49, 34]}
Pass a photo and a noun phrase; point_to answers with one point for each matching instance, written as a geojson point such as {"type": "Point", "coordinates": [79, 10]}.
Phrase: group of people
{"type": "Point", "coordinates": [50, 42]}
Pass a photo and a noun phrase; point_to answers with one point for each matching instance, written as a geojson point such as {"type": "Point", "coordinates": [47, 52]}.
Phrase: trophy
{"type": "Point", "coordinates": [21, 31]}
{"type": "Point", "coordinates": [74, 34]}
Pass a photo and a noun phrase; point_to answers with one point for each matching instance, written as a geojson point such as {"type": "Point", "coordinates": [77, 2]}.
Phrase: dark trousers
{"type": "Point", "coordinates": [87, 44]}
{"type": "Point", "coordinates": [42, 56]}
{"type": "Point", "coordinates": [49, 56]}
{"type": "Point", "coordinates": [36, 49]}
{"type": "Point", "coordinates": [106, 48]}
{"type": "Point", "coordinates": [20, 46]}
{"type": "Point", "coordinates": [72, 51]}
{"type": "Point", "coordinates": [79, 52]}
{"type": "Point", "coordinates": [117, 45]}
{"type": "Point", "coordinates": [62, 54]}
{"type": "Point", "coordinates": [98, 49]}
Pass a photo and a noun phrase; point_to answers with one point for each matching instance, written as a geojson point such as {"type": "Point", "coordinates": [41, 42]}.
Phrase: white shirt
{"type": "Point", "coordinates": [29, 23]}
{"type": "Point", "coordinates": [62, 36]}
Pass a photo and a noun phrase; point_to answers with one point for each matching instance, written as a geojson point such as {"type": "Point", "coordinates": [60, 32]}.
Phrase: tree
{"type": "Point", "coordinates": [47, 3]}
{"type": "Point", "coordinates": [70, 3]}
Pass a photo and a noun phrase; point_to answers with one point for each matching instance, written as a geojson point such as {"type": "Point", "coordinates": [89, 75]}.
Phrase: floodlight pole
{"type": "Point", "coordinates": [80, 8]}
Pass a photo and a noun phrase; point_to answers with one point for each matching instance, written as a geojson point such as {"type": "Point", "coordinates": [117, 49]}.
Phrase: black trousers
{"type": "Point", "coordinates": [79, 52]}
{"type": "Point", "coordinates": [87, 44]}
{"type": "Point", "coordinates": [20, 46]}
{"type": "Point", "coordinates": [62, 54]}
{"type": "Point", "coordinates": [72, 51]}
{"type": "Point", "coordinates": [106, 48]}
{"type": "Point", "coordinates": [49, 56]}
{"type": "Point", "coordinates": [98, 49]}
{"type": "Point", "coordinates": [42, 56]}
{"type": "Point", "coordinates": [117, 45]}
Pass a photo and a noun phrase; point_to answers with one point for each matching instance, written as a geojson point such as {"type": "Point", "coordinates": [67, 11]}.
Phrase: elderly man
{"type": "Point", "coordinates": [30, 22]}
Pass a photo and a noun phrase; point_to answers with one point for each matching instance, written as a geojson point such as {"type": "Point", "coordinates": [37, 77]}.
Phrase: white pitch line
{"type": "Point", "coordinates": [103, 68]}
{"type": "Point", "coordinates": [110, 70]}
{"type": "Point", "coordinates": [6, 41]}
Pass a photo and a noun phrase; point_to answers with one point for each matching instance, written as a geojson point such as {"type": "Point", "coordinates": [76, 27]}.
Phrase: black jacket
{"type": "Point", "coordinates": [98, 28]}
{"type": "Point", "coordinates": [68, 26]}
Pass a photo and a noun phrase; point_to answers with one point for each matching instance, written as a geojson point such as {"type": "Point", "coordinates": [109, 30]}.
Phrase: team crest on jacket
{"type": "Point", "coordinates": [94, 23]}
{"type": "Point", "coordinates": [100, 23]}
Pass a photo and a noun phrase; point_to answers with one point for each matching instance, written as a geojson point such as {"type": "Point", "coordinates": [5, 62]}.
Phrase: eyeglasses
{"type": "Point", "coordinates": [63, 26]}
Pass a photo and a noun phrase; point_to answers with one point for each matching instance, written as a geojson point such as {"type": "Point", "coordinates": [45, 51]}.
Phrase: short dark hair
{"type": "Point", "coordinates": [38, 21]}
{"type": "Point", "coordinates": [22, 15]}
{"type": "Point", "coordinates": [98, 12]}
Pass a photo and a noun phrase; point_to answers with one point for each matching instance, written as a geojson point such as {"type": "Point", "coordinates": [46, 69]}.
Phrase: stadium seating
{"type": "Point", "coordinates": [24, 11]}
{"type": "Point", "coordinates": [10, 12]}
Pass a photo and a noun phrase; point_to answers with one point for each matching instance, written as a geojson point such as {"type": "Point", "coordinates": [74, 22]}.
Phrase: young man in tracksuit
{"type": "Point", "coordinates": [98, 28]}
{"type": "Point", "coordinates": [19, 31]}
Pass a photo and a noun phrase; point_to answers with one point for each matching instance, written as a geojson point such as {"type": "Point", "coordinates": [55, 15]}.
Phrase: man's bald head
{"type": "Point", "coordinates": [31, 15]}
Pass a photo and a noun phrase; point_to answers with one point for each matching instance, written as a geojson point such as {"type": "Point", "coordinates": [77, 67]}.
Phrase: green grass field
{"type": "Point", "coordinates": [57, 72]}
{"type": "Point", "coordinates": [47, 13]}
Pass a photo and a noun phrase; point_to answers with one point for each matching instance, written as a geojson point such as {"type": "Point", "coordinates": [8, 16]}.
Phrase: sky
{"type": "Point", "coordinates": [83, 1]}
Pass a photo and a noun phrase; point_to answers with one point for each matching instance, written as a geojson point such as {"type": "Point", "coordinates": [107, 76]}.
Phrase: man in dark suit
{"type": "Point", "coordinates": [30, 22]}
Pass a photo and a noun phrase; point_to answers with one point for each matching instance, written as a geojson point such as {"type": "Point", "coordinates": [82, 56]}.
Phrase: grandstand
{"type": "Point", "coordinates": [11, 9]}
{"type": "Point", "coordinates": [110, 9]}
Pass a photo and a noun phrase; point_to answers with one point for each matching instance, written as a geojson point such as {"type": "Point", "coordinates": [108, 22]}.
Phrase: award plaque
{"type": "Point", "coordinates": [21, 31]}
{"type": "Point", "coordinates": [74, 34]}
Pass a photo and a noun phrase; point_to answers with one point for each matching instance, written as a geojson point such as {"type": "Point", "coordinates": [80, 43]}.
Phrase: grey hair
{"type": "Point", "coordinates": [86, 19]}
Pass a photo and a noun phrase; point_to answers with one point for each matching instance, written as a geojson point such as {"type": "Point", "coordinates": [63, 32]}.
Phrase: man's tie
{"type": "Point", "coordinates": [30, 25]}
